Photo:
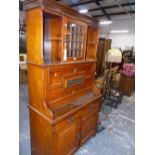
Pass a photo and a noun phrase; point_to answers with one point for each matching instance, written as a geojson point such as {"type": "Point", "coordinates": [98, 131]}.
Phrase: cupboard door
{"type": "Point", "coordinates": [68, 139]}
{"type": "Point", "coordinates": [88, 127]}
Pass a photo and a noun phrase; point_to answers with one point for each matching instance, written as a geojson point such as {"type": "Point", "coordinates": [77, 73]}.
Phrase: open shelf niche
{"type": "Point", "coordinates": [52, 39]}
{"type": "Point", "coordinates": [92, 40]}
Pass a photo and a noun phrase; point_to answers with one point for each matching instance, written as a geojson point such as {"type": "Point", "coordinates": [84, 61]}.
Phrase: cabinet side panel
{"type": "Point", "coordinates": [41, 135]}
{"type": "Point", "coordinates": [34, 37]}
{"type": "Point", "coordinates": [36, 89]}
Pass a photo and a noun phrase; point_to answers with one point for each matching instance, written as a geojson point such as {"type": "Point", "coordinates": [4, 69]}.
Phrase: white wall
{"type": "Point", "coordinates": [120, 40]}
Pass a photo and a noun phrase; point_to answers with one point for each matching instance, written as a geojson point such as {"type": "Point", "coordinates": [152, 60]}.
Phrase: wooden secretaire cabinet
{"type": "Point", "coordinates": [63, 100]}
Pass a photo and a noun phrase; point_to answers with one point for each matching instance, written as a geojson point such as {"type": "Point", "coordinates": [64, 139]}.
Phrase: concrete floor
{"type": "Point", "coordinates": [118, 138]}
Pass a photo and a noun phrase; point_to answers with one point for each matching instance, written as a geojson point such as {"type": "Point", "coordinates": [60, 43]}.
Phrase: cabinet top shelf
{"type": "Point", "coordinates": [62, 63]}
{"type": "Point", "coordinates": [53, 6]}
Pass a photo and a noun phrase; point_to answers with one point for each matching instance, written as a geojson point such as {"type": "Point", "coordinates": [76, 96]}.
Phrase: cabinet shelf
{"type": "Point", "coordinates": [77, 33]}
{"type": "Point", "coordinates": [73, 49]}
{"type": "Point", "coordinates": [53, 39]}
{"type": "Point", "coordinates": [92, 38]}
{"type": "Point", "coordinates": [56, 39]}
{"type": "Point", "coordinates": [52, 36]}
{"type": "Point", "coordinates": [73, 41]}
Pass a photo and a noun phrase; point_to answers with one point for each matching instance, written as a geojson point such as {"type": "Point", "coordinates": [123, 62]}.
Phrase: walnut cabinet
{"type": "Point", "coordinates": [63, 100]}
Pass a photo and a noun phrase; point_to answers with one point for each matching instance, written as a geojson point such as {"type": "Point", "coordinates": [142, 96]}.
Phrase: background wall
{"type": "Point", "coordinates": [120, 23]}
{"type": "Point", "coordinates": [124, 40]}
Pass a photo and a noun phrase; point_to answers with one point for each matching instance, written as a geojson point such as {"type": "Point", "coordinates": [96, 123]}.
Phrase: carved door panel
{"type": "Point", "coordinates": [88, 127]}
{"type": "Point", "coordinates": [68, 139]}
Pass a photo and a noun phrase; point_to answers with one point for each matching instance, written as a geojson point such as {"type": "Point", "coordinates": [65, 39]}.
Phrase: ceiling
{"type": "Point", "coordinates": [104, 9]}
{"type": "Point", "coordinates": [121, 12]}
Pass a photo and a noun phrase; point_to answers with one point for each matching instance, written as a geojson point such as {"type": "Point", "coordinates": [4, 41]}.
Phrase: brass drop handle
{"type": "Point", "coordinates": [91, 108]}
{"type": "Point", "coordinates": [69, 119]}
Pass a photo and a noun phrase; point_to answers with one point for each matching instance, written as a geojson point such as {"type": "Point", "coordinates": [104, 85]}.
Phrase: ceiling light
{"type": "Point", "coordinates": [119, 31]}
{"type": "Point", "coordinates": [83, 11]}
{"type": "Point", "coordinates": [106, 22]}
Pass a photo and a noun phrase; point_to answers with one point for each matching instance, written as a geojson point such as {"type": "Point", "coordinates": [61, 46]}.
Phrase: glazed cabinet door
{"type": "Point", "coordinates": [75, 35]}
{"type": "Point", "coordinates": [68, 139]}
{"type": "Point", "coordinates": [88, 127]}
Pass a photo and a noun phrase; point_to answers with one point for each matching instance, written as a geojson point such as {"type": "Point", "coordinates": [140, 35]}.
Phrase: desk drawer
{"type": "Point", "coordinates": [67, 121]}
{"type": "Point", "coordinates": [91, 108]}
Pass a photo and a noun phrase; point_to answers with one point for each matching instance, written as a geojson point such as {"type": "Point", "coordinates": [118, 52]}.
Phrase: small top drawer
{"type": "Point", "coordinates": [67, 121]}
{"type": "Point", "coordinates": [56, 77]}
{"type": "Point", "coordinates": [91, 108]}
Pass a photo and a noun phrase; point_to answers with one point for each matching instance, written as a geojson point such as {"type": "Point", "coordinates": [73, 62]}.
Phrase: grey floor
{"type": "Point", "coordinates": [118, 137]}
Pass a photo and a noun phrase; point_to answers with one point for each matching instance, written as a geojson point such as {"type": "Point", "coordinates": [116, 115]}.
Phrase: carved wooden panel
{"type": "Point", "coordinates": [67, 139]}
{"type": "Point", "coordinates": [69, 80]}
{"type": "Point", "coordinates": [88, 127]}
{"type": "Point", "coordinates": [74, 81]}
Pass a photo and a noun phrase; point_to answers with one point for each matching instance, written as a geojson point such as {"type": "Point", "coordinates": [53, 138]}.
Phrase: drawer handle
{"type": "Point", "coordinates": [70, 119]}
{"type": "Point", "coordinates": [91, 109]}
{"type": "Point", "coordinates": [91, 106]}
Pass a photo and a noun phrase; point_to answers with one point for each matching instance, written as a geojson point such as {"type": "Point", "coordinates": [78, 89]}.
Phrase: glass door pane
{"type": "Point", "coordinates": [74, 40]}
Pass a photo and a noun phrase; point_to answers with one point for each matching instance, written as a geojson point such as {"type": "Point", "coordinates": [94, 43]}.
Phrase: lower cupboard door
{"type": "Point", "coordinates": [68, 139]}
{"type": "Point", "coordinates": [88, 127]}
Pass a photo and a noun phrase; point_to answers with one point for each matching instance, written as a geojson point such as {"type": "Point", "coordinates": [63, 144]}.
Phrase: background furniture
{"type": "Point", "coordinates": [103, 46]}
{"type": "Point", "coordinates": [113, 95]}
{"type": "Point", "coordinates": [109, 82]}
{"type": "Point", "coordinates": [22, 68]}
{"type": "Point", "coordinates": [22, 76]}
{"type": "Point", "coordinates": [127, 79]}
{"type": "Point", "coordinates": [129, 56]}
{"type": "Point", "coordinates": [63, 100]}
{"type": "Point", "coordinates": [127, 84]}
